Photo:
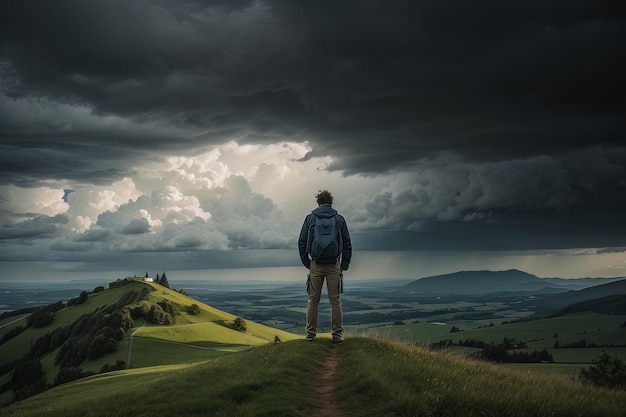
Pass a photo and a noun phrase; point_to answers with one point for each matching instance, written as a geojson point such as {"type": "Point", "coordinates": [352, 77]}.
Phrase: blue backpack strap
{"type": "Point", "coordinates": [309, 236]}
{"type": "Point", "coordinates": [340, 237]}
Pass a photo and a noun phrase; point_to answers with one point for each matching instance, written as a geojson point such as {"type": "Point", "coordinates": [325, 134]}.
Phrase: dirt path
{"type": "Point", "coordinates": [326, 405]}
{"type": "Point", "coordinates": [130, 346]}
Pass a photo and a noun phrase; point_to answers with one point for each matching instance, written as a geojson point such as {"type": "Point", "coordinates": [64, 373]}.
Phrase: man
{"type": "Point", "coordinates": [325, 249]}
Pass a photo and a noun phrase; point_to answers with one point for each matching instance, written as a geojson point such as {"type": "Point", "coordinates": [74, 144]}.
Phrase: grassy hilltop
{"type": "Point", "coordinates": [373, 378]}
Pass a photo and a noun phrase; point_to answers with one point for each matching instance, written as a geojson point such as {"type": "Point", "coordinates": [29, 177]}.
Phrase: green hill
{"type": "Point", "coordinates": [612, 304]}
{"type": "Point", "coordinates": [362, 377]}
{"type": "Point", "coordinates": [131, 325]}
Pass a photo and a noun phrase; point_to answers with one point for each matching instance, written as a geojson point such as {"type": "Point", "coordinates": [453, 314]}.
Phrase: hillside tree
{"type": "Point", "coordinates": [28, 379]}
{"type": "Point", "coordinates": [164, 281]}
{"type": "Point", "coordinates": [84, 295]}
{"type": "Point", "coordinates": [240, 324]}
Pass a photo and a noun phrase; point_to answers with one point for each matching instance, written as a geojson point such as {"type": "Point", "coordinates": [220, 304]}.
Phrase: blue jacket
{"type": "Point", "coordinates": [303, 240]}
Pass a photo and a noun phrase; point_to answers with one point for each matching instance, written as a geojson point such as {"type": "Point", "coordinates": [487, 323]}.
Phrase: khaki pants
{"type": "Point", "coordinates": [332, 274]}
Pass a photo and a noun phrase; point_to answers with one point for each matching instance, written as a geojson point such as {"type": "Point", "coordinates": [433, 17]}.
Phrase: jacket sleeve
{"type": "Point", "coordinates": [346, 255]}
{"type": "Point", "coordinates": [303, 243]}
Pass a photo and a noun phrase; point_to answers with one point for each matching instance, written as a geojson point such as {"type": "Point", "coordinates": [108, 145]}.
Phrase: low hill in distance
{"type": "Point", "coordinates": [486, 282]}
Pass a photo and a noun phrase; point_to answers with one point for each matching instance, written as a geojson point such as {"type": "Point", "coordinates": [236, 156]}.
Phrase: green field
{"type": "Point", "coordinates": [595, 327]}
{"type": "Point", "coordinates": [601, 329]}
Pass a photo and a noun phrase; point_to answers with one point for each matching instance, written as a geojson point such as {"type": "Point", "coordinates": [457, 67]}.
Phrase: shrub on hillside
{"type": "Point", "coordinates": [73, 353]}
{"type": "Point", "coordinates": [59, 336]}
{"type": "Point", "coordinates": [240, 324]}
{"type": "Point", "coordinates": [156, 315]}
{"type": "Point", "coordinates": [606, 371]}
{"type": "Point", "coordinates": [500, 353]}
{"type": "Point", "coordinates": [11, 334]}
{"type": "Point", "coordinates": [28, 379]}
{"type": "Point", "coordinates": [193, 309]}
{"type": "Point", "coordinates": [44, 316]}
{"type": "Point", "coordinates": [120, 319]}
{"type": "Point", "coordinates": [492, 353]}
{"type": "Point", "coordinates": [120, 364]}
{"type": "Point", "coordinates": [39, 348]}
{"type": "Point", "coordinates": [141, 309]}
{"type": "Point", "coordinates": [66, 375]}
{"type": "Point", "coordinates": [170, 308]}
{"type": "Point", "coordinates": [19, 312]}
{"type": "Point", "coordinates": [101, 345]}
{"type": "Point", "coordinates": [41, 318]}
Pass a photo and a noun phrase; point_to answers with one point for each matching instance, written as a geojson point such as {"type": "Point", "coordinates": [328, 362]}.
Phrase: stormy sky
{"type": "Point", "coordinates": [155, 135]}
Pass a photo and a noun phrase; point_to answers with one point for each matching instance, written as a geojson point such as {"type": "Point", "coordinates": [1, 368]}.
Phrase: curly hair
{"type": "Point", "coordinates": [324, 197]}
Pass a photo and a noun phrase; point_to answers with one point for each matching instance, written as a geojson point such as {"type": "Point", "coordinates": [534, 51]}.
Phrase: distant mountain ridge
{"type": "Point", "coordinates": [487, 282]}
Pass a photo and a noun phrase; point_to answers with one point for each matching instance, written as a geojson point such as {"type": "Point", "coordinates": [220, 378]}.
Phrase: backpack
{"type": "Point", "coordinates": [325, 244]}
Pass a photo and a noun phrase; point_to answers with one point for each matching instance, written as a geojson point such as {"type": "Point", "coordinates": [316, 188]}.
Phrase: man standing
{"type": "Point", "coordinates": [325, 249]}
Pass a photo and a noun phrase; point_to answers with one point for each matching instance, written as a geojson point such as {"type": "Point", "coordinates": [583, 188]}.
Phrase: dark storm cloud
{"type": "Point", "coordinates": [23, 166]}
{"type": "Point", "coordinates": [381, 87]}
{"type": "Point", "coordinates": [37, 227]}
{"type": "Point", "coordinates": [374, 84]}
{"type": "Point", "coordinates": [521, 230]}
{"type": "Point", "coordinates": [489, 81]}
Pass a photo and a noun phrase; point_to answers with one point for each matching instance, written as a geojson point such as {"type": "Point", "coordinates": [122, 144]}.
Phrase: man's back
{"type": "Point", "coordinates": [304, 240]}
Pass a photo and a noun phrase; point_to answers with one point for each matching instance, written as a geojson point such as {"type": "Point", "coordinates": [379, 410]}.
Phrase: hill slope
{"type": "Point", "coordinates": [572, 297]}
{"type": "Point", "coordinates": [372, 378]}
{"type": "Point", "coordinates": [136, 324]}
{"type": "Point", "coordinates": [611, 304]}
